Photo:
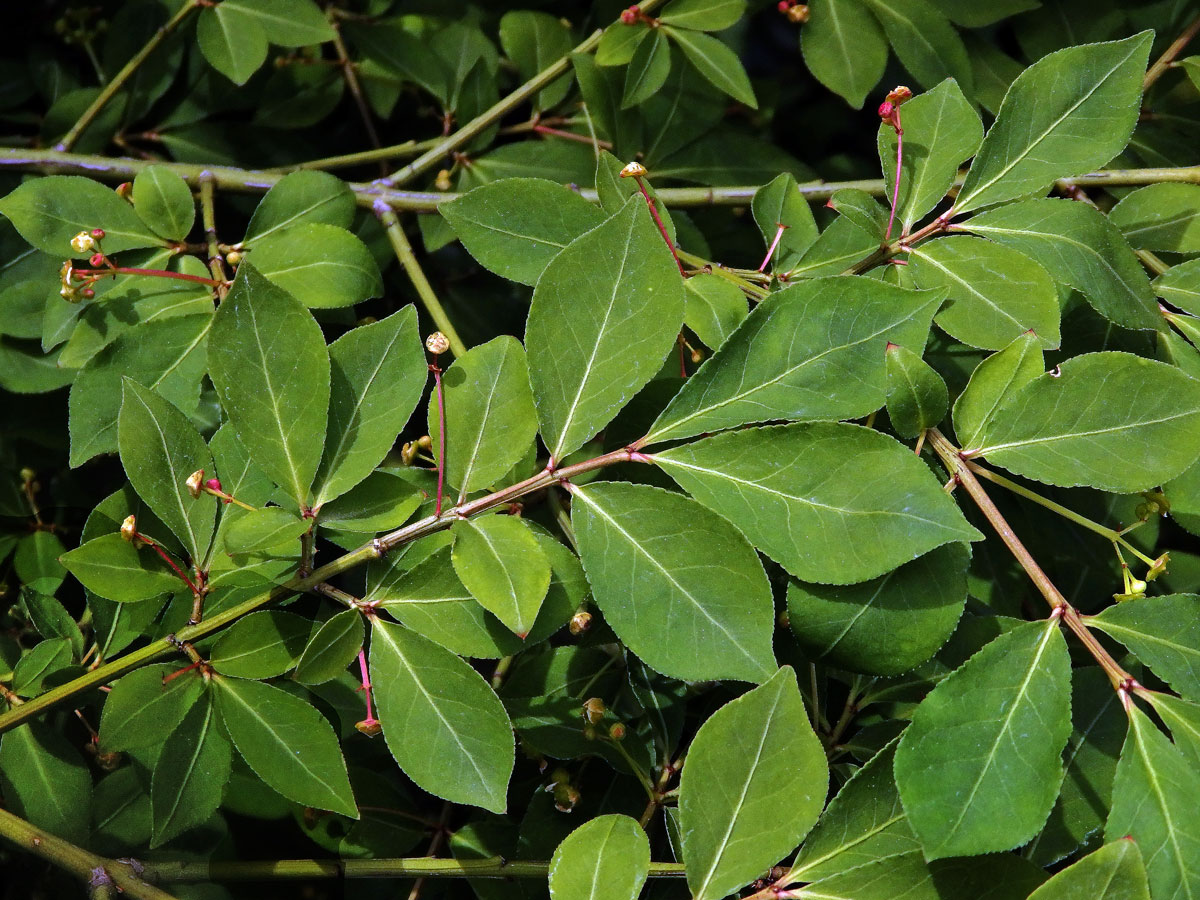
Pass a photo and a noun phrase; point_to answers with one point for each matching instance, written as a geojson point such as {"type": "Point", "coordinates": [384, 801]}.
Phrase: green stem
{"type": "Point", "coordinates": [699, 262]}
{"type": "Point", "coordinates": [404, 252]}
{"type": "Point", "coordinates": [1164, 62]}
{"type": "Point", "coordinates": [110, 90]}
{"type": "Point", "coordinates": [1153, 263]}
{"type": "Point", "coordinates": [208, 216]}
{"type": "Point", "coordinates": [297, 869]}
{"type": "Point", "coordinates": [375, 549]}
{"type": "Point", "coordinates": [95, 871]}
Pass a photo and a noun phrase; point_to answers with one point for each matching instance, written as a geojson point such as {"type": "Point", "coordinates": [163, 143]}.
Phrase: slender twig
{"type": "Point", "coordinates": [756, 292]}
{"type": "Point", "coordinates": [352, 84]}
{"type": "Point", "coordinates": [95, 871]}
{"type": "Point", "coordinates": [110, 90]}
{"type": "Point", "coordinates": [662, 229]}
{"type": "Point", "coordinates": [404, 252]}
{"type": "Point", "coordinates": [208, 216]}
{"type": "Point", "coordinates": [779, 227]}
{"type": "Point", "coordinates": [1164, 62]}
{"type": "Point", "coordinates": [440, 392]}
{"type": "Point", "coordinates": [887, 235]}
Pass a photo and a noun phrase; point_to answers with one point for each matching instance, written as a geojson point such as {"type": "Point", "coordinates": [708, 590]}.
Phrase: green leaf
{"type": "Point", "coordinates": [301, 198]}
{"type": "Point", "coordinates": [923, 40]}
{"type": "Point", "coordinates": [33, 668]}
{"type": "Point", "coordinates": [780, 202]}
{"type": "Point", "coordinates": [381, 501]}
{"type": "Point", "coordinates": [811, 351]}
{"type": "Point", "coordinates": [1180, 286]}
{"type": "Point", "coordinates": [1113, 421]}
{"type": "Point", "coordinates": [995, 877]}
{"type": "Point", "coordinates": [113, 568]}
{"type": "Point", "coordinates": [268, 361]}
{"type": "Point", "coordinates": [377, 375]}
{"type": "Point", "coordinates": [754, 756]}
{"type": "Point", "coordinates": [1082, 249]}
{"type": "Point", "coordinates": [1163, 632]}
{"type": "Point", "coordinates": [1114, 872]}
{"type": "Point", "coordinates": [607, 858]}
{"type": "Point", "coordinates": [605, 313]}
{"type": "Point", "coordinates": [142, 708]}
{"type": "Point", "coordinates": [232, 40]}
{"type": "Point", "coordinates": [466, 746]}
{"type": "Point", "coordinates": [648, 69]}
{"type": "Point", "coordinates": [164, 202]}
{"type": "Point", "coordinates": [995, 293]}
{"type": "Point", "coordinates": [613, 191]}
{"type": "Point", "coordinates": [1154, 803]}
{"type": "Point", "coordinates": [845, 48]}
{"type": "Point", "coordinates": [261, 645]}
{"type": "Point", "coordinates": [980, 766]}
{"type": "Point", "coordinates": [840, 246]}
{"type": "Point", "coordinates": [888, 625]}
{"type": "Point", "coordinates": [831, 503]}
{"type": "Point", "coordinates": [619, 42]}
{"type": "Point", "coordinates": [534, 41]}
{"type": "Point", "coordinates": [1070, 112]}
{"type": "Point", "coordinates": [703, 15]}
{"type": "Point", "coordinates": [49, 211]}
{"type": "Point", "coordinates": [287, 743]}
{"type": "Point", "coordinates": [45, 781]}
{"type": "Point", "coordinates": [1182, 717]}
{"type": "Point", "coordinates": [515, 226]}
{"type": "Point", "coordinates": [322, 266]}
{"type": "Point", "coordinates": [941, 130]}
{"type": "Point", "coordinates": [160, 449]}
{"type": "Point", "coordinates": [716, 62]}
{"type": "Point", "coordinates": [288, 23]}
{"type": "Point", "coordinates": [490, 418]}
{"type": "Point", "coordinates": [50, 618]}
{"type": "Point", "coordinates": [189, 775]}
{"type": "Point", "coordinates": [677, 583]}
{"type": "Point", "coordinates": [331, 649]}
{"type": "Point", "coordinates": [713, 308]}
{"type": "Point", "coordinates": [501, 564]}
{"type": "Point", "coordinates": [1161, 217]}
{"type": "Point", "coordinates": [260, 530]}
{"type": "Point", "coordinates": [993, 383]}
{"type": "Point", "coordinates": [917, 397]}
{"type": "Point", "coordinates": [863, 824]}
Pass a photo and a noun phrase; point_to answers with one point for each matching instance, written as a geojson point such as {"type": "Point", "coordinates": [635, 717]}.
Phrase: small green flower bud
{"type": "Point", "coordinates": [437, 343]}
{"type": "Point", "coordinates": [83, 243]}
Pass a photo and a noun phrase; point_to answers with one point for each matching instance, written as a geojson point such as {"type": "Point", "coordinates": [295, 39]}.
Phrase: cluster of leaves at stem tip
{"type": "Point", "coordinates": [839, 545]}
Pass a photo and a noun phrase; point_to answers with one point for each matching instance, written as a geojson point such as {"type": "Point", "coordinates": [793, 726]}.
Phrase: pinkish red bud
{"type": "Point", "coordinates": [88, 293]}
{"type": "Point", "coordinates": [97, 259]}
{"type": "Point", "coordinates": [784, 5]}
{"type": "Point", "coordinates": [98, 233]}
{"type": "Point", "coordinates": [631, 15]}
{"type": "Point", "coordinates": [885, 110]}
{"type": "Point", "coordinates": [214, 483]}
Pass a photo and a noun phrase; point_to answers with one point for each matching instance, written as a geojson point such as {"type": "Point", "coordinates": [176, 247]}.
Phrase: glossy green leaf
{"type": "Point", "coordinates": [489, 412]}
{"type": "Point", "coordinates": [887, 625]}
{"type": "Point", "coordinates": [716, 62]}
{"type": "Point", "coordinates": [331, 649]}
{"type": "Point", "coordinates": [466, 746]}
{"type": "Point", "coordinates": [993, 383]}
{"type": "Point", "coordinates": [845, 48]}
{"type": "Point", "coordinates": [996, 877]}
{"type": "Point", "coordinates": [995, 293]}
{"type": "Point", "coordinates": [300, 198]}
{"type": "Point", "coordinates": [232, 40]}
{"type": "Point", "coordinates": [255, 531]}
{"type": "Point", "coordinates": [1180, 286]}
{"type": "Point", "coordinates": [289, 23]}
{"type": "Point", "coordinates": [1161, 217]}
{"type": "Point", "coordinates": [607, 858]}
{"type": "Point", "coordinates": [164, 202]}
{"type": "Point", "coordinates": [923, 40]}
{"type": "Point", "coordinates": [614, 190]}
{"type": "Point", "coordinates": [941, 130]}
{"type": "Point", "coordinates": [801, 355]}
{"type": "Point", "coordinates": [1163, 632]}
{"type": "Point", "coordinates": [501, 564]}
{"type": "Point", "coordinates": [261, 645]}
{"type": "Point", "coordinates": [713, 308]}
{"type": "Point", "coordinates": [45, 781]}
{"type": "Point", "coordinates": [189, 775]}
{"type": "Point", "coordinates": [780, 202]}
{"type": "Point", "coordinates": [381, 501]}
{"type": "Point", "coordinates": [287, 743]}
{"type": "Point", "coordinates": [534, 41]}
{"type": "Point", "coordinates": [142, 708]}
{"type": "Point", "coordinates": [1182, 718]}
{"type": "Point", "coordinates": [648, 69]}
{"type": "Point", "coordinates": [862, 209]}
{"type": "Point", "coordinates": [980, 766]}
{"type": "Point", "coordinates": [863, 824]}
{"type": "Point", "coordinates": [703, 15]}
{"type": "Point", "coordinates": [917, 397]}
{"type": "Point", "coordinates": [1153, 802]}
{"type": "Point", "coordinates": [1070, 112]}
{"type": "Point", "coordinates": [45, 660]}
{"type": "Point", "coordinates": [321, 265]}
{"type": "Point", "coordinates": [268, 361]}
{"type": "Point", "coordinates": [832, 503]}
{"type": "Point", "coordinates": [113, 568]}
{"type": "Point", "coordinates": [1113, 421]}
{"type": "Point", "coordinates": [619, 42]}
{"type": "Point", "coordinates": [49, 211]}
{"type": "Point", "coordinates": [677, 583]}
{"type": "Point", "coordinates": [605, 314]}
{"type": "Point", "coordinates": [160, 449]}
{"type": "Point", "coordinates": [1114, 872]}
{"type": "Point", "coordinates": [50, 618]}
{"type": "Point", "coordinates": [753, 756]}
{"type": "Point", "coordinates": [1080, 247]}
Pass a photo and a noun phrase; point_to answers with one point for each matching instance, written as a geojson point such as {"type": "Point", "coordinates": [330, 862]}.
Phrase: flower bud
{"type": "Point", "coordinates": [369, 727]}
{"type": "Point", "coordinates": [97, 259]}
{"type": "Point", "coordinates": [88, 293]}
{"type": "Point", "coordinates": [631, 15]}
{"type": "Point", "coordinates": [633, 170]}
{"type": "Point", "coordinates": [443, 182]}
{"type": "Point", "coordinates": [1159, 567]}
{"type": "Point", "coordinates": [886, 109]}
{"type": "Point", "coordinates": [593, 711]}
{"type": "Point", "coordinates": [98, 233]}
{"type": "Point", "coordinates": [437, 343]}
{"type": "Point", "coordinates": [566, 798]}
{"type": "Point", "coordinates": [129, 529]}
{"type": "Point", "coordinates": [233, 257]}
{"type": "Point", "coordinates": [213, 483]}
{"type": "Point", "coordinates": [83, 243]}
{"type": "Point", "coordinates": [195, 483]}
{"type": "Point", "coordinates": [798, 14]}
{"type": "Point", "coordinates": [125, 189]}
{"type": "Point", "coordinates": [27, 475]}
{"type": "Point", "coordinates": [899, 94]}
{"type": "Point", "coordinates": [1137, 586]}
{"type": "Point", "coordinates": [580, 622]}
{"type": "Point", "coordinates": [617, 731]}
